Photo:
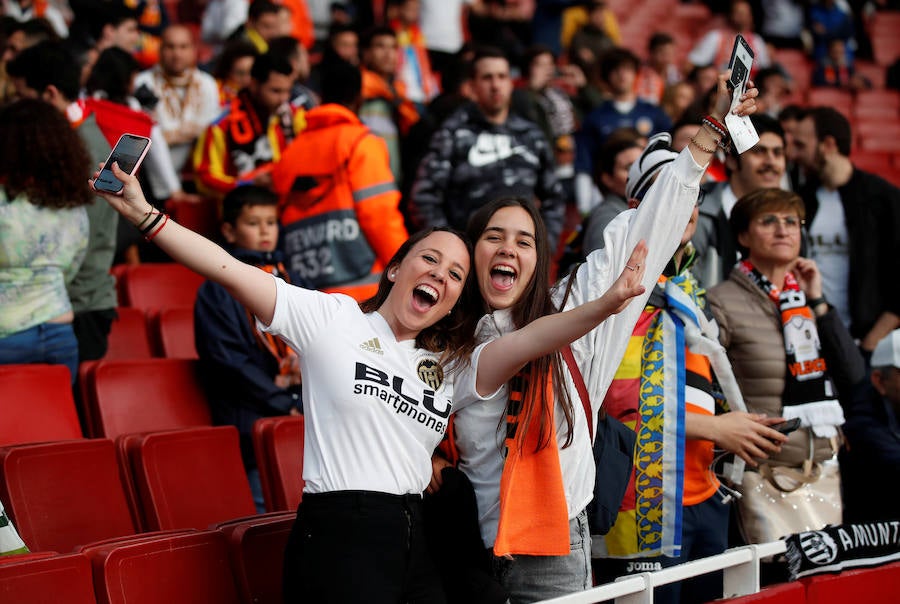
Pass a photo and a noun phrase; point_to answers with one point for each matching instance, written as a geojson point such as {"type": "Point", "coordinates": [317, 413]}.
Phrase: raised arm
{"type": "Point", "coordinates": [250, 286]}
{"type": "Point", "coordinates": [503, 357]}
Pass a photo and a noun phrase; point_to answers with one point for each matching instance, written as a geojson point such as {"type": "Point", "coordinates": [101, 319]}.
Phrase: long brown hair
{"type": "Point", "coordinates": [534, 303]}
{"type": "Point", "coordinates": [42, 156]}
{"type": "Point", "coordinates": [452, 335]}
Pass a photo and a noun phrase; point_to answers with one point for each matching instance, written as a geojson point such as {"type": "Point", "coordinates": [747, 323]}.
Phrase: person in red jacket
{"type": "Point", "coordinates": [339, 201]}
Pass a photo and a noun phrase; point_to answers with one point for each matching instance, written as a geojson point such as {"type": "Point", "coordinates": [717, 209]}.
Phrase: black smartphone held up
{"type": "Point", "coordinates": [740, 64]}
{"type": "Point", "coordinates": [129, 152]}
{"type": "Point", "coordinates": [788, 426]}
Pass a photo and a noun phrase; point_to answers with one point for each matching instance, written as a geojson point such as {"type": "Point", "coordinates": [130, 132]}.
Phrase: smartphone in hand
{"type": "Point", "coordinates": [129, 152]}
{"type": "Point", "coordinates": [740, 64]}
{"type": "Point", "coordinates": [788, 426]}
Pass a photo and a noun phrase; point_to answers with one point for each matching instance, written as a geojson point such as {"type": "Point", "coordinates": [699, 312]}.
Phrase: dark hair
{"type": "Point", "coordinates": [453, 334]}
{"type": "Point", "coordinates": [534, 303]}
{"type": "Point", "coordinates": [831, 122]}
{"type": "Point", "coordinates": [485, 52]}
{"type": "Point", "coordinates": [232, 51]}
{"type": "Point", "coordinates": [615, 58]}
{"type": "Point", "coordinates": [659, 39]}
{"type": "Point", "coordinates": [245, 196]}
{"type": "Point", "coordinates": [792, 112]}
{"type": "Point", "coordinates": [258, 8]}
{"type": "Point", "coordinates": [112, 74]}
{"type": "Point", "coordinates": [42, 156]}
{"type": "Point", "coordinates": [109, 13]}
{"type": "Point", "coordinates": [533, 52]}
{"type": "Point", "coordinates": [38, 29]}
{"type": "Point", "coordinates": [287, 46]}
{"type": "Point", "coordinates": [341, 83]}
{"type": "Point", "coordinates": [268, 63]}
{"type": "Point", "coordinates": [755, 203]}
{"type": "Point", "coordinates": [46, 64]}
{"type": "Point", "coordinates": [336, 29]}
{"type": "Point", "coordinates": [619, 140]}
{"type": "Point", "coordinates": [368, 36]}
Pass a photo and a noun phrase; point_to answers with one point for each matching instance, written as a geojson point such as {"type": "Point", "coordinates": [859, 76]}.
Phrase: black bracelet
{"type": "Point", "coordinates": [149, 228]}
{"type": "Point", "coordinates": [816, 301]}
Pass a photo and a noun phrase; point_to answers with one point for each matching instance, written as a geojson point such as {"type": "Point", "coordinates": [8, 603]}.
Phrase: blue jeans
{"type": "Point", "coordinates": [51, 343]}
{"type": "Point", "coordinates": [535, 578]}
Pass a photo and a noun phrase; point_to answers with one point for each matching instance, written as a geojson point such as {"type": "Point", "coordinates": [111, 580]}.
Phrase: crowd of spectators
{"type": "Point", "coordinates": [348, 125]}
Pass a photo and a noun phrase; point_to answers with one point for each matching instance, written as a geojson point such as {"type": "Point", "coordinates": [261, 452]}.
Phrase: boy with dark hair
{"type": "Point", "coordinates": [246, 374]}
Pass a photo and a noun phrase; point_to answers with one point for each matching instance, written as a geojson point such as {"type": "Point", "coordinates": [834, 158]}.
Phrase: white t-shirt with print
{"type": "Point", "coordinates": [374, 408]}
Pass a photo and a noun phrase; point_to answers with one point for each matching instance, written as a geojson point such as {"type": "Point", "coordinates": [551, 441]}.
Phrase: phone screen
{"type": "Point", "coordinates": [129, 151]}
{"type": "Point", "coordinates": [740, 64]}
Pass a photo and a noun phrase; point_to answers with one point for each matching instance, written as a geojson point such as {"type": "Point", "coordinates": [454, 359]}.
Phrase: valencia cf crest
{"type": "Point", "coordinates": [430, 372]}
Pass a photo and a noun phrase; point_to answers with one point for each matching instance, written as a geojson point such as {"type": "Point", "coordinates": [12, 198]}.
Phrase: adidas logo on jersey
{"type": "Point", "coordinates": [372, 345]}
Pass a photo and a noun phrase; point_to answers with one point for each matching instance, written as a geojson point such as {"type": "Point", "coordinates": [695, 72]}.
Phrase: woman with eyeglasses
{"type": "Point", "coordinates": [792, 356]}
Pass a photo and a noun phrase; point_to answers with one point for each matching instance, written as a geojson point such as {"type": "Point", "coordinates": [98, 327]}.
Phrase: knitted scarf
{"type": "Point", "coordinates": [809, 392]}
{"type": "Point", "coordinates": [534, 518]}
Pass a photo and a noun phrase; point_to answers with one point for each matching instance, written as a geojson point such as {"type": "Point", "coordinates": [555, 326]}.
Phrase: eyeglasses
{"type": "Point", "coordinates": [770, 221]}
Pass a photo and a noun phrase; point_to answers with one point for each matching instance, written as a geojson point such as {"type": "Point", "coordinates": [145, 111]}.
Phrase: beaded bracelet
{"type": "Point", "coordinates": [156, 232]}
{"type": "Point", "coordinates": [701, 147]}
{"type": "Point", "coordinates": [715, 125]}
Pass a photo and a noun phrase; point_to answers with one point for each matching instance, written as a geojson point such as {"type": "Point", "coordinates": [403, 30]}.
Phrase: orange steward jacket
{"type": "Point", "coordinates": [339, 203]}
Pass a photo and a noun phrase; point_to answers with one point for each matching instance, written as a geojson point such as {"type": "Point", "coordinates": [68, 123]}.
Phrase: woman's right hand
{"type": "Point", "coordinates": [722, 105]}
{"type": "Point", "coordinates": [130, 202]}
{"type": "Point", "coordinates": [438, 463]}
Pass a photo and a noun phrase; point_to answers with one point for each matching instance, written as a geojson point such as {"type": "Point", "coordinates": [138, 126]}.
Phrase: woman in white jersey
{"type": "Point", "coordinates": [539, 535]}
{"type": "Point", "coordinates": [377, 393]}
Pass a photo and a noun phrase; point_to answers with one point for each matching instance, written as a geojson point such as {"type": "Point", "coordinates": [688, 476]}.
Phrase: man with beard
{"type": "Point", "coordinates": [762, 166]}
{"type": "Point", "coordinates": [853, 218]}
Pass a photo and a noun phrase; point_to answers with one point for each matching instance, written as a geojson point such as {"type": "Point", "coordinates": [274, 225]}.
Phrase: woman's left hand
{"type": "Point", "coordinates": [629, 284]}
{"type": "Point", "coordinates": [808, 277]}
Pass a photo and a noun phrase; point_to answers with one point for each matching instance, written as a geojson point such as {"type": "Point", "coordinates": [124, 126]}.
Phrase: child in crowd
{"type": "Point", "coordinates": [247, 374]}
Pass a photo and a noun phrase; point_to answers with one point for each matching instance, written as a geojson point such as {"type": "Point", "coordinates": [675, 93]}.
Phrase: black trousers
{"type": "Point", "coordinates": [360, 546]}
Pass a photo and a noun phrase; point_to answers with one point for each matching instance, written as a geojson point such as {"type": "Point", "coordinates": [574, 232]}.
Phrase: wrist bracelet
{"type": "Point", "coordinates": [715, 125]}
{"type": "Point", "coordinates": [147, 229]}
{"type": "Point", "coordinates": [816, 301]}
{"type": "Point", "coordinates": [724, 141]}
{"type": "Point", "coordinates": [701, 147]}
{"type": "Point", "coordinates": [156, 232]}
{"type": "Point", "coordinates": [146, 218]}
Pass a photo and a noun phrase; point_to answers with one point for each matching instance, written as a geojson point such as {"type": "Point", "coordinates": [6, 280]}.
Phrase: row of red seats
{"type": "Point", "coordinates": [61, 495]}
{"type": "Point", "coordinates": [153, 286]}
{"type": "Point", "coordinates": [877, 585]}
{"type": "Point", "coordinates": [139, 334]}
{"type": "Point", "coordinates": [234, 562]}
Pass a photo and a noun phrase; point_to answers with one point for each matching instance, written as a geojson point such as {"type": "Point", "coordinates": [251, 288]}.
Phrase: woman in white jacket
{"type": "Point", "coordinates": [538, 552]}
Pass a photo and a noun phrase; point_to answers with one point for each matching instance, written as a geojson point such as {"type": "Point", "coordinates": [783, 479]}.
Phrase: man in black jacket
{"type": "Point", "coordinates": [483, 151]}
{"type": "Point", "coordinates": [853, 221]}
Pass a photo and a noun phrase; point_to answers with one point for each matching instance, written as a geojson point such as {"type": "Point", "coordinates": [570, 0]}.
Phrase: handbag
{"type": "Point", "coordinates": [613, 457]}
{"type": "Point", "coordinates": [779, 501]}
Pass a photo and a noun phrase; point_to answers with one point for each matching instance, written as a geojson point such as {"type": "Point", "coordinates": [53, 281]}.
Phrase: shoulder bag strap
{"type": "Point", "coordinates": [567, 355]}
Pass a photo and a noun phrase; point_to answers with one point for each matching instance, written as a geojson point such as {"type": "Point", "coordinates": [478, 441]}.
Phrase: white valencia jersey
{"type": "Point", "coordinates": [374, 408]}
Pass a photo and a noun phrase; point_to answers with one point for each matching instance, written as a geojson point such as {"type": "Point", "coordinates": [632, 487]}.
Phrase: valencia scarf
{"type": "Point", "coordinates": [534, 518]}
{"type": "Point", "coordinates": [809, 392]}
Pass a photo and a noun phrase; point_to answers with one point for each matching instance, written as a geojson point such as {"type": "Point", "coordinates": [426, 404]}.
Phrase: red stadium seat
{"type": "Point", "coordinates": [190, 478]}
{"type": "Point", "coordinates": [878, 584]}
{"type": "Point", "coordinates": [200, 216]}
{"type": "Point", "coordinates": [256, 545]}
{"type": "Point", "coordinates": [146, 395]}
{"type": "Point", "coordinates": [66, 493]}
{"type": "Point", "coordinates": [37, 404]}
{"type": "Point", "coordinates": [278, 444]}
{"type": "Point", "coordinates": [885, 48]}
{"type": "Point", "coordinates": [152, 286]}
{"type": "Point", "coordinates": [184, 567]}
{"type": "Point", "coordinates": [835, 98]}
{"type": "Point", "coordinates": [129, 337]}
{"type": "Point", "coordinates": [46, 578]}
{"type": "Point", "coordinates": [798, 66]}
{"type": "Point", "coordinates": [174, 333]}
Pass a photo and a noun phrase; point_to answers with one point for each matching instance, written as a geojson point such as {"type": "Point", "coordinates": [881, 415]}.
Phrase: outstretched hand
{"type": "Point", "coordinates": [722, 105]}
{"type": "Point", "coordinates": [130, 202]}
{"type": "Point", "coordinates": [629, 284]}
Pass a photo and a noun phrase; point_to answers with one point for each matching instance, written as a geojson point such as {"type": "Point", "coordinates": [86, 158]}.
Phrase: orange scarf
{"type": "Point", "coordinates": [534, 518]}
